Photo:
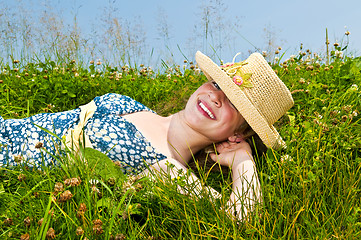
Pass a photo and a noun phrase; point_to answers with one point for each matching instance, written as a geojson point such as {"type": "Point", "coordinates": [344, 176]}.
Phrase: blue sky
{"type": "Point", "coordinates": [289, 22]}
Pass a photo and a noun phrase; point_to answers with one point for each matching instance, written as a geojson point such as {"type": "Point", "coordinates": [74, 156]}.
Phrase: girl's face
{"type": "Point", "coordinates": [209, 112]}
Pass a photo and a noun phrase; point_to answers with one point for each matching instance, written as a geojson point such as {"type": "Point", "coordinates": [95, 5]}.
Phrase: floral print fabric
{"type": "Point", "coordinates": [108, 132]}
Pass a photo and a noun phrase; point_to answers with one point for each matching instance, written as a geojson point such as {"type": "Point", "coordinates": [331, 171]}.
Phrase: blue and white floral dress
{"type": "Point", "coordinates": [108, 132]}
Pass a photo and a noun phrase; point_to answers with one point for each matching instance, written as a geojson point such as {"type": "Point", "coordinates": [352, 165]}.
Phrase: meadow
{"type": "Point", "coordinates": [311, 189]}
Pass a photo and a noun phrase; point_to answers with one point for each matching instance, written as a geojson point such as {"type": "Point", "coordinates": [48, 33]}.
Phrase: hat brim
{"type": "Point", "coordinates": [249, 112]}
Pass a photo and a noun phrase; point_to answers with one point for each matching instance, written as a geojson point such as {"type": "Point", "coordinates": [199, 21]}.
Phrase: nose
{"type": "Point", "coordinates": [217, 97]}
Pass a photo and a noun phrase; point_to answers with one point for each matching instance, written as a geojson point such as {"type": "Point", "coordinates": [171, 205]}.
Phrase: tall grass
{"type": "Point", "coordinates": [311, 190]}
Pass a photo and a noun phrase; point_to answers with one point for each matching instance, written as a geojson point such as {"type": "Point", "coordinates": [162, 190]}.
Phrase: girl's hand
{"type": "Point", "coordinates": [232, 152]}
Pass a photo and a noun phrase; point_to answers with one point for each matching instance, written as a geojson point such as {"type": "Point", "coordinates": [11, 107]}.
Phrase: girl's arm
{"type": "Point", "coordinates": [246, 191]}
{"type": "Point", "coordinates": [174, 169]}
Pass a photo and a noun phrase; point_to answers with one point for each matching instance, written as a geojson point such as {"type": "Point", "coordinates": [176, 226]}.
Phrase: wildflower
{"type": "Point", "coordinates": [8, 221]}
{"type": "Point", "coordinates": [81, 210]}
{"type": "Point", "coordinates": [334, 113]}
{"type": "Point", "coordinates": [197, 71]}
{"type": "Point", "coordinates": [40, 222]}
{"type": "Point", "coordinates": [119, 237]}
{"type": "Point", "coordinates": [21, 177]}
{"type": "Point", "coordinates": [16, 61]}
{"type": "Point", "coordinates": [1, 81]}
{"type": "Point", "coordinates": [95, 189]}
{"type": "Point", "coordinates": [93, 181]}
{"type": "Point", "coordinates": [118, 163]}
{"type": "Point", "coordinates": [50, 234]}
{"type": "Point", "coordinates": [309, 67]}
{"type": "Point", "coordinates": [326, 68]}
{"type": "Point", "coordinates": [302, 80]}
{"type": "Point", "coordinates": [27, 222]}
{"type": "Point", "coordinates": [339, 54]}
{"type": "Point", "coordinates": [169, 76]}
{"type": "Point", "coordinates": [25, 236]}
{"type": "Point", "coordinates": [347, 33]}
{"type": "Point", "coordinates": [18, 158]}
{"type": "Point", "coordinates": [99, 63]}
{"type": "Point", "coordinates": [76, 74]}
{"type": "Point", "coordinates": [264, 53]}
{"type": "Point", "coordinates": [39, 145]}
{"type": "Point", "coordinates": [111, 181]}
{"type": "Point", "coordinates": [16, 69]}
{"type": "Point", "coordinates": [336, 44]}
{"type": "Point", "coordinates": [277, 59]}
{"type": "Point", "coordinates": [354, 87]}
{"type": "Point", "coordinates": [79, 231]}
{"type": "Point", "coordinates": [97, 222]}
{"type": "Point", "coordinates": [91, 62]}
{"type": "Point", "coordinates": [72, 182]}
{"type": "Point", "coordinates": [346, 108]}
{"type": "Point", "coordinates": [59, 187]}
{"type": "Point", "coordinates": [277, 52]}
{"type": "Point", "coordinates": [97, 226]}
{"type": "Point", "coordinates": [125, 215]}
{"type": "Point", "coordinates": [355, 113]}
{"type": "Point", "coordinates": [65, 196]}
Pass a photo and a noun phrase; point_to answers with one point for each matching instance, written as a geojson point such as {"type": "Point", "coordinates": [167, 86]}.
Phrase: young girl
{"type": "Point", "coordinates": [237, 96]}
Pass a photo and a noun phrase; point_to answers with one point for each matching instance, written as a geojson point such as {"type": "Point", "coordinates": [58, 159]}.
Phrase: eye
{"type": "Point", "coordinates": [216, 85]}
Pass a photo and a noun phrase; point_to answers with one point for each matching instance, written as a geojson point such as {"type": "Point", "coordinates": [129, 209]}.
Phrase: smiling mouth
{"type": "Point", "coordinates": [206, 110]}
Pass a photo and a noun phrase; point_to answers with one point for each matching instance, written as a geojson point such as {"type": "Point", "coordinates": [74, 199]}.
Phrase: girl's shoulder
{"type": "Point", "coordinates": [118, 104]}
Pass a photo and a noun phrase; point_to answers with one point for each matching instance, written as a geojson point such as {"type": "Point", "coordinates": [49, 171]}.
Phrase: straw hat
{"type": "Point", "coordinates": [255, 90]}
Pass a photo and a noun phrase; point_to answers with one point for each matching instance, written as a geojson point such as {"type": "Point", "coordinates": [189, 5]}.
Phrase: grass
{"type": "Point", "coordinates": [311, 190]}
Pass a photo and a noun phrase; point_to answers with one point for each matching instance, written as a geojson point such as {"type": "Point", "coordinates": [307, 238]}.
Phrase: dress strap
{"type": "Point", "coordinates": [76, 135]}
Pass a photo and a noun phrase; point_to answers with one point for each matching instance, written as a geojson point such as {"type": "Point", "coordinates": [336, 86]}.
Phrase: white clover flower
{"type": "Point", "coordinates": [286, 158]}
{"type": "Point", "coordinates": [339, 54]}
{"type": "Point", "coordinates": [354, 87]}
{"type": "Point", "coordinates": [93, 181]}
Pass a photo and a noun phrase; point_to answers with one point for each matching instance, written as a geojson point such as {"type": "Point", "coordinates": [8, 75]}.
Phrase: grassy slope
{"type": "Point", "coordinates": [310, 190]}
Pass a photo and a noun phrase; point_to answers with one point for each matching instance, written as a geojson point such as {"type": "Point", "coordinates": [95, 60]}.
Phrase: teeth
{"type": "Point", "coordinates": [206, 110]}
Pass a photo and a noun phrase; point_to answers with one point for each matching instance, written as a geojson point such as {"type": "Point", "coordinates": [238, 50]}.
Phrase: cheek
{"type": "Point", "coordinates": [232, 120]}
